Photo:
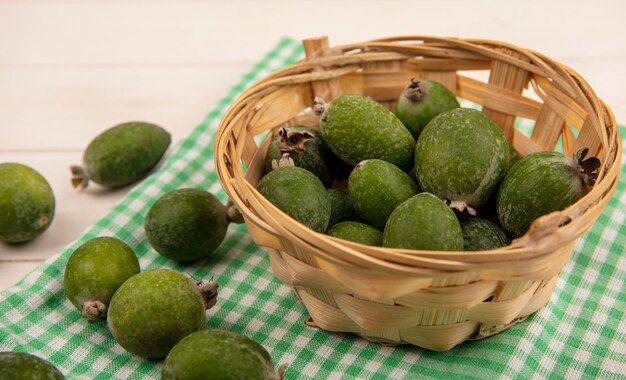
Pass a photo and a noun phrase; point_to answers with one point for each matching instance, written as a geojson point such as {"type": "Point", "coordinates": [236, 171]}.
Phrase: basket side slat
{"type": "Point", "coordinates": [547, 128]}
{"type": "Point", "coordinates": [512, 78]}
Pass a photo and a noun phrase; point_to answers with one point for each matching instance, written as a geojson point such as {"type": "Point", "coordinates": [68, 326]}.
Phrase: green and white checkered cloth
{"type": "Point", "coordinates": [581, 333]}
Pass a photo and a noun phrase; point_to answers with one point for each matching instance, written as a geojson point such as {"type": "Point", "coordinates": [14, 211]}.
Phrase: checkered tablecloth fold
{"type": "Point", "coordinates": [581, 333]}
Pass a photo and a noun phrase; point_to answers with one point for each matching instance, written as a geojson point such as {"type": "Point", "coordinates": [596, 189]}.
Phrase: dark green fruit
{"type": "Point", "coordinates": [23, 366]}
{"type": "Point", "coordinates": [541, 183]}
{"type": "Point", "coordinates": [186, 224]}
{"type": "Point", "coordinates": [421, 101]}
{"type": "Point", "coordinates": [461, 156]}
{"type": "Point", "coordinates": [357, 128]}
{"type": "Point", "coordinates": [299, 194]}
{"type": "Point", "coordinates": [357, 232]}
{"type": "Point", "coordinates": [307, 149]}
{"type": "Point", "coordinates": [218, 354]}
{"type": "Point", "coordinates": [423, 222]}
{"type": "Point", "coordinates": [26, 203]}
{"type": "Point", "coordinates": [95, 271]}
{"type": "Point", "coordinates": [341, 207]}
{"type": "Point", "coordinates": [480, 234]}
{"type": "Point", "coordinates": [155, 309]}
{"type": "Point", "coordinates": [121, 155]}
{"type": "Point", "coordinates": [377, 188]}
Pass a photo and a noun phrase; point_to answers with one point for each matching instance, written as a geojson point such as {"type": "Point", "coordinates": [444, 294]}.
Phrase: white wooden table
{"type": "Point", "coordinates": [72, 68]}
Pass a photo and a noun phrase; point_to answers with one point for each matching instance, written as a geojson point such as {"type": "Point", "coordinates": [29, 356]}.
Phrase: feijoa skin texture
{"type": "Point", "coordinates": [376, 188]}
{"type": "Point", "coordinates": [307, 149]}
{"type": "Point", "coordinates": [481, 234]}
{"type": "Point", "coordinates": [218, 354]}
{"type": "Point", "coordinates": [536, 185]}
{"type": "Point", "coordinates": [154, 310]}
{"type": "Point", "coordinates": [27, 203]}
{"type": "Point", "coordinates": [186, 224]}
{"type": "Point", "coordinates": [357, 232]}
{"type": "Point", "coordinates": [357, 128]}
{"type": "Point", "coordinates": [23, 366]}
{"type": "Point", "coordinates": [299, 194]}
{"type": "Point", "coordinates": [420, 102]}
{"type": "Point", "coordinates": [423, 222]}
{"type": "Point", "coordinates": [122, 154]}
{"type": "Point", "coordinates": [341, 207]}
{"type": "Point", "coordinates": [95, 271]}
{"type": "Point", "coordinates": [461, 156]}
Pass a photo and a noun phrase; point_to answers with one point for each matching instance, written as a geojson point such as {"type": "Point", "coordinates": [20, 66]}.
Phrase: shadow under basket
{"type": "Point", "coordinates": [431, 299]}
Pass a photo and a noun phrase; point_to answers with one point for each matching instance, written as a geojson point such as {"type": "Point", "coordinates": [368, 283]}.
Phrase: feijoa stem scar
{"type": "Point", "coordinates": [413, 90]}
{"type": "Point", "coordinates": [234, 214]}
{"type": "Point", "coordinates": [80, 178]}
{"type": "Point", "coordinates": [319, 106]}
{"type": "Point", "coordinates": [293, 140]}
{"type": "Point", "coordinates": [209, 291]}
{"type": "Point", "coordinates": [93, 310]}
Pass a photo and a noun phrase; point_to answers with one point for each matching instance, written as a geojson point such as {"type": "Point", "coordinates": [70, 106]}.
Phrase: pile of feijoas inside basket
{"type": "Point", "coordinates": [430, 175]}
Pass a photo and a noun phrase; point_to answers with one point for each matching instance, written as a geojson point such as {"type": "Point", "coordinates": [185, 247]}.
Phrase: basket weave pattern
{"type": "Point", "coordinates": [431, 299]}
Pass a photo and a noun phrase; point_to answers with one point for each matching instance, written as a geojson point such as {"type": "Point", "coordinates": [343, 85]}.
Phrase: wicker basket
{"type": "Point", "coordinates": [431, 299]}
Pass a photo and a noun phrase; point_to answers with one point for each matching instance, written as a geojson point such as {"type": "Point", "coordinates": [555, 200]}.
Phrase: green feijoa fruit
{"type": "Point", "coordinates": [186, 224]}
{"type": "Point", "coordinates": [423, 222]}
{"type": "Point", "coordinates": [481, 234]}
{"type": "Point", "coordinates": [307, 149]}
{"type": "Point", "coordinates": [155, 309]}
{"type": "Point", "coordinates": [299, 194]}
{"type": "Point", "coordinates": [376, 188]}
{"type": "Point", "coordinates": [23, 366]}
{"type": "Point", "coordinates": [421, 101]}
{"type": "Point", "coordinates": [95, 271]}
{"type": "Point", "coordinates": [357, 232]}
{"type": "Point", "coordinates": [218, 354]}
{"type": "Point", "coordinates": [357, 128]}
{"type": "Point", "coordinates": [26, 203]}
{"type": "Point", "coordinates": [461, 156]}
{"type": "Point", "coordinates": [121, 155]}
{"type": "Point", "coordinates": [341, 207]}
{"type": "Point", "coordinates": [541, 183]}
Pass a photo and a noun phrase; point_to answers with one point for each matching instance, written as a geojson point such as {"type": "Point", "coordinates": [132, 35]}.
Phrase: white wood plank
{"type": "Point", "coordinates": [64, 109]}
{"type": "Point", "coordinates": [174, 32]}
{"type": "Point", "coordinates": [75, 211]}
{"type": "Point", "coordinates": [13, 272]}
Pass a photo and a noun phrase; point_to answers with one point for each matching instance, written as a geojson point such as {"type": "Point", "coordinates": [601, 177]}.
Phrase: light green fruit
{"type": "Point", "coordinates": [423, 222]}
{"type": "Point", "coordinates": [95, 271]}
{"type": "Point", "coordinates": [299, 194]}
{"type": "Point", "coordinates": [358, 128]}
{"type": "Point", "coordinates": [23, 366]}
{"type": "Point", "coordinates": [376, 188]}
{"type": "Point", "coordinates": [218, 354]}
{"type": "Point", "coordinates": [121, 155]}
{"type": "Point", "coordinates": [26, 203]}
{"type": "Point", "coordinates": [357, 232]}
{"type": "Point", "coordinates": [155, 309]}
{"type": "Point", "coordinates": [186, 224]}
{"type": "Point", "coordinates": [538, 184]}
{"type": "Point", "coordinates": [480, 234]}
{"type": "Point", "coordinates": [461, 156]}
{"type": "Point", "coordinates": [420, 102]}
